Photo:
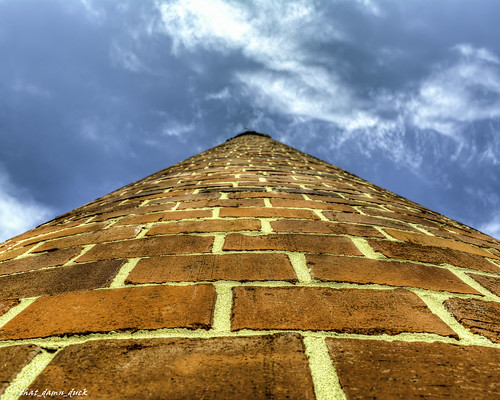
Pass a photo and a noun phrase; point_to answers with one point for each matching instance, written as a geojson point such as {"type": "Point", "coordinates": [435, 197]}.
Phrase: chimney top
{"type": "Point", "coordinates": [250, 133]}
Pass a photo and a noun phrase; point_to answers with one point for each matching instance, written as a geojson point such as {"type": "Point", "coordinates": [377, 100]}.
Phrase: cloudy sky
{"type": "Point", "coordinates": [97, 94]}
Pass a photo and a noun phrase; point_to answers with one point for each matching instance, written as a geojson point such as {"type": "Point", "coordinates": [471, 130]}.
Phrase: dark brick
{"type": "Point", "coordinates": [222, 203]}
{"type": "Point", "coordinates": [6, 305]}
{"type": "Point", "coordinates": [147, 247]}
{"type": "Point", "coordinates": [365, 219]}
{"type": "Point", "coordinates": [215, 225]}
{"type": "Point", "coordinates": [489, 282]}
{"type": "Point", "coordinates": [149, 307]}
{"type": "Point", "coordinates": [430, 254]}
{"type": "Point", "coordinates": [427, 240]}
{"type": "Point", "coordinates": [267, 213]}
{"type": "Point", "coordinates": [364, 271]}
{"type": "Point", "coordinates": [12, 360]}
{"type": "Point", "coordinates": [257, 367]}
{"type": "Point", "coordinates": [59, 280]}
{"type": "Point", "coordinates": [363, 311]}
{"type": "Point", "coordinates": [107, 235]}
{"type": "Point", "coordinates": [164, 216]}
{"type": "Point", "coordinates": [50, 259]}
{"type": "Point", "coordinates": [284, 225]}
{"type": "Point", "coordinates": [481, 317]}
{"type": "Point", "coordinates": [375, 369]}
{"type": "Point", "coordinates": [237, 267]}
{"type": "Point", "coordinates": [292, 242]}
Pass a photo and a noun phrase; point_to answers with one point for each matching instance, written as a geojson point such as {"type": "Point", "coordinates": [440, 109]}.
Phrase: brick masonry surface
{"type": "Point", "coordinates": [250, 271]}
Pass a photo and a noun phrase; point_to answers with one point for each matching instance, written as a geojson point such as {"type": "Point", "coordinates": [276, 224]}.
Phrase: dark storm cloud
{"type": "Point", "coordinates": [96, 94]}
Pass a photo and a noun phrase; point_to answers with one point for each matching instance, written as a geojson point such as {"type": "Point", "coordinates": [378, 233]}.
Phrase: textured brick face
{"type": "Point", "coordinates": [60, 280]}
{"type": "Point", "coordinates": [341, 310]}
{"type": "Point", "coordinates": [392, 273]}
{"type": "Point", "coordinates": [308, 243]}
{"type": "Point", "coordinates": [482, 317]}
{"type": "Point", "coordinates": [50, 259]}
{"type": "Point", "coordinates": [264, 367]}
{"type": "Point", "coordinates": [12, 361]}
{"type": "Point", "coordinates": [148, 247]}
{"type": "Point", "coordinates": [369, 369]}
{"type": "Point", "coordinates": [237, 267]}
{"type": "Point", "coordinates": [114, 310]}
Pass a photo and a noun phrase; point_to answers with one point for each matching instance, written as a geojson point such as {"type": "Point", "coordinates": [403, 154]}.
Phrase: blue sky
{"type": "Point", "coordinates": [97, 94]}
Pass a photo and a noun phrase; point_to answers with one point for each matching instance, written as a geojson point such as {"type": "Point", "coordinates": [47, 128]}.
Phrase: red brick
{"type": "Point", "coordinates": [13, 253]}
{"type": "Point", "coordinates": [6, 305]}
{"type": "Point", "coordinates": [261, 367]}
{"type": "Point", "coordinates": [50, 259]}
{"type": "Point", "coordinates": [267, 213]}
{"type": "Point", "coordinates": [376, 369]}
{"type": "Point", "coordinates": [292, 242]}
{"type": "Point", "coordinates": [164, 216]}
{"type": "Point", "coordinates": [363, 311]}
{"type": "Point", "coordinates": [215, 225]}
{"type": "Point", "coordinates": [59, 280]}
{"type": "Point", "coordinates": [415, 252]}
{"type": "Point", "coordinates": [107, 235]}
{"type": "Point", "coordinates": [481, 317]}
{"type": "Point", "coordinates": [12, 360]}
{"type": "Point", "coordinates": [365, 219]}
{"type": "Point", "coordinates": [128, 309]}
{"type": "Point", "coordinates": [489, 282]}
{"type": "Point", "coordinates": [146, 247]}
{"type": "Point", "coordinates": [265, 195]}
{"type": "Point", "coordinates": [67, 232]}
{"type": "Point", "coordinates": [310, 204]}
{"type": "Point", "coordinates": [331, 268]}
{"type": "Point", "coordinates": [325, 227]}
{"type": "Point", "coordinates": [427, 240]}
{"type": "Point", "coordinates": [235, 267]}
{"type": "Point", "coordinates": [222, 203]}
{"type": "Point", "coordinates": [420, 220]}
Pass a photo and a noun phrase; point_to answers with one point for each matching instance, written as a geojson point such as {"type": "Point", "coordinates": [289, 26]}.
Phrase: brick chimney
{"type": "Point", "coordinates": [250, 271]}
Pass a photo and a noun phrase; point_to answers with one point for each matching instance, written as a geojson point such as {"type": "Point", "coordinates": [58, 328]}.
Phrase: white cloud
{"type": "Point", "coordinates": [492, 227]}
{"type": "Point", "coordinates": [457, 94]}
{"type": "Point", "coordinates": [18, 213]}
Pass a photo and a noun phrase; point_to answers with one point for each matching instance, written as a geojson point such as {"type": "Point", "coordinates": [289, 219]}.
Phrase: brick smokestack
{"type": "Point", "coordinates": [250, 271]}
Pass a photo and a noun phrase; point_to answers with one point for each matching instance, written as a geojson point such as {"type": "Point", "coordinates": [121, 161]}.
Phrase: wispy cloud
{"type": "Point", "coordinates": [17, 212]}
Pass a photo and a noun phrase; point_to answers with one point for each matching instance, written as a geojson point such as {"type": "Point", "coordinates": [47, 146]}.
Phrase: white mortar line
{"type": "Point", "coordinates": [325, 378]}
{"type": "Point", "coordinates": [299, 264]}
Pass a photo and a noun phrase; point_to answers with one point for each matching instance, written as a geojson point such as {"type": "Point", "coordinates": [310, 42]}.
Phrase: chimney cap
{"type": "Point", "coordinates": [251, 133]}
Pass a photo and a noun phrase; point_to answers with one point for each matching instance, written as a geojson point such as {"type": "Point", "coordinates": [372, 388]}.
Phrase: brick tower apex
{"type": "Point", "coordinates": [250, 271]}
{"type": "Point", "coordinates": [251, 133]}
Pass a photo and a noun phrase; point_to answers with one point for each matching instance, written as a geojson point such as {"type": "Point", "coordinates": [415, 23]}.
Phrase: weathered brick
{"type": "Point", "coordinates": [481, 317]}
{"type": "Point", "coordinates": [52, 281]}
{"type": "Point", "coordinates": [427, 240]}
{"type": "Point", "coordinates": [376, 369]}
{"type": "Point", "coordinates": [165, 216]}
{"type": "Point", "coordinates": [292, 242]}
{"type": "Point", "coordinates": [284, 225]}
{"type": "Point", "coordinates": [149, 307]}
{"type": "Point", "coordinates": [50, 259]}
{"type": "Point", "coordinates": [362, 311]}
{"type": "Point", "coordinates": [237, 267]}
{"type": "Point", "coordinates": [13, 253]}
{"type": "Point", "coordinates": [222, 203]}
{"type": "Point", "coordinates": [420, 220]}
{"type": "Point", "coordinates": [311, 204]}
{"type": "Point", "coordinates": [215, 225]}
{"type": "Point", "coordinates": [430, 254]}
{"type": "Point", "coordinates": [364, 271]}
{"type": "Point", "coordinates": [6, 305]}
{"type": "Point", "coordinates": [257, 367]}
{"type": "Point", "coordinates": [147, 247]}
{"type": "Point", "coordinates": [100, 236]}
{"type": "Point", "coordinates": [365, 219]}
{"type": "Point", "coordinates": [12, 360]}
{"type": "Point", "coordinates": [263, 194]}
{"type": "Point", "coordinates": [489, 282]}
{"type": "Point", "coordinates": [267, 213]}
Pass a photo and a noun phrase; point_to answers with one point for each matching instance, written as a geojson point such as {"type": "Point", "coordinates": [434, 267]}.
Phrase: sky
{"type": "Point", "coordinates": [97, 94]}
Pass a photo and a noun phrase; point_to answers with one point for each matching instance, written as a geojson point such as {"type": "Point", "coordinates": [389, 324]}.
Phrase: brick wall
{"type": "Point", "coordinates": [251, 270]}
